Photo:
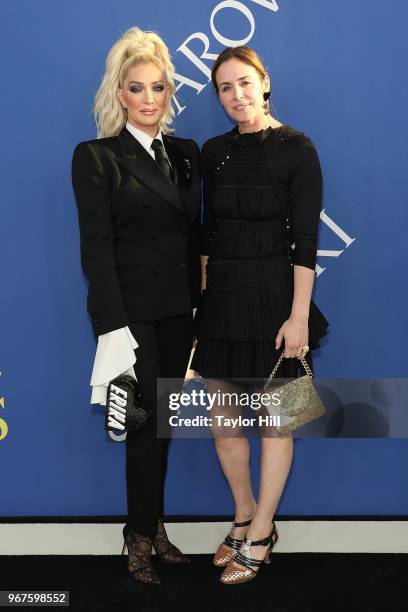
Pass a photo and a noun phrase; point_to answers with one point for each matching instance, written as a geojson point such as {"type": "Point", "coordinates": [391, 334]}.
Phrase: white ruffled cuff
{"type": "Point", "coordinates": [114, 355]}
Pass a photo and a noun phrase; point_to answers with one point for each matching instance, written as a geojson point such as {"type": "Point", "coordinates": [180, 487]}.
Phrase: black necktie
{"type": "Point", "coordinates": [161, 157]}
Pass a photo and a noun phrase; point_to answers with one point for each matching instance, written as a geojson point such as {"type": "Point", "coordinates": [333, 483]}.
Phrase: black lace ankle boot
{"type": "Point", "coordinates": [139, 556]}
{"type": "Point", "coordinates": [165, 550]}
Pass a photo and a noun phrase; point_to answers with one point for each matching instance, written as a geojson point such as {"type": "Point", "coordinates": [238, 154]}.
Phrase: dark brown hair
{"type": "Point", "coordinates": [243, 54]}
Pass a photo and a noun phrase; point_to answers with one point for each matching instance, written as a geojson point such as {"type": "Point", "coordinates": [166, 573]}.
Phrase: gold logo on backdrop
{"type": "Point", "coordinates": [3, 424]}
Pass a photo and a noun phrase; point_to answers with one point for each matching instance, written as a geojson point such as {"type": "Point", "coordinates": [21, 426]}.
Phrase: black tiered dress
{"type": "Point", "coordinates": [262, 194]}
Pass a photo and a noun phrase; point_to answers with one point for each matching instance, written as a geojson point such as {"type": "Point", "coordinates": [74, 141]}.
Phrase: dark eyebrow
{"type": "Point", "coordinates": [140, 83]}
{"type": "Point", "coordinates": [240, 79]}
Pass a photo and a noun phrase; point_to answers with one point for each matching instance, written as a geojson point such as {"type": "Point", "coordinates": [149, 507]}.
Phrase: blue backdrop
{"type": "Point", "coordinates": [337, 72]}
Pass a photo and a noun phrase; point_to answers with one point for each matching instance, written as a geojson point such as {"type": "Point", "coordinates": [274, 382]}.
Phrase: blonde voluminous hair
{"type": "Point", "coordinates": [135, 46]}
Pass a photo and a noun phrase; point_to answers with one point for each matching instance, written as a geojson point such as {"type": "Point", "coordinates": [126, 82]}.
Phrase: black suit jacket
{"type": "Point", "coordinates": [139, 231]}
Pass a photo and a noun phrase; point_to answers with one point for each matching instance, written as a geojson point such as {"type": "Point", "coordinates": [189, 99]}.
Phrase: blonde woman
{"type": "Point", "coordinates": [262, 192]}
{"type": "Point", "coordinates": [138, 196]}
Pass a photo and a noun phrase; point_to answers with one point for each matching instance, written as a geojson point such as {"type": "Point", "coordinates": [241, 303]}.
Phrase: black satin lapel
{"type": "Point", "coordinates": [181, 174]}
{"type": "Point", "coordinates": [148, 173]}
{"type": "Point", "coordinates": [139, 163]}
{"type": "Point", "coordinates": [175, 159]}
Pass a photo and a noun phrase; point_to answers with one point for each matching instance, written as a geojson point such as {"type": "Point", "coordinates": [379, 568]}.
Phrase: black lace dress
{"type": "Point", "coordinates": [262, 195]}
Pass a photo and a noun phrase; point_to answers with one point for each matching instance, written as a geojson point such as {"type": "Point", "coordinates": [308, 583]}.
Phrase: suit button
{"type": "Point", "coordinates": [183, 264]}
{"type": "Point", "coordinates": [146, 205]}
{"type": "Point", "coordinates": [183, 234]}
{"type": "Point", "coordinates": [153, 237]}
{"type": "Point", "coordinates": [156, 271]}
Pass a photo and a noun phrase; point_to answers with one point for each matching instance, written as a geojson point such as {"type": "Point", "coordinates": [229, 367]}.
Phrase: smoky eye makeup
{"type": "Point", "coordinates": [138, 87]}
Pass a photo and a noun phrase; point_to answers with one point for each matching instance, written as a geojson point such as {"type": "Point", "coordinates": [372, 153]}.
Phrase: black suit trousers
{"type": "Point", "coordinates": [163, 351]}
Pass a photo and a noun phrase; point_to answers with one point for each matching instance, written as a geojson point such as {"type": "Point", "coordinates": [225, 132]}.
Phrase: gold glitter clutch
{"type": "Point", "coordinates": [296, 403]}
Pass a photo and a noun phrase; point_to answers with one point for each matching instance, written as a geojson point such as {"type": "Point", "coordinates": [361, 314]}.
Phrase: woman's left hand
{"type": "Point", "coordinates": [295, 332]}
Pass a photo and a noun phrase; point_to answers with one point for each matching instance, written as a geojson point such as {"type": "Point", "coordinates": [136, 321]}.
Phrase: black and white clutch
{"type": "Point", "coordinates": [124, 405]}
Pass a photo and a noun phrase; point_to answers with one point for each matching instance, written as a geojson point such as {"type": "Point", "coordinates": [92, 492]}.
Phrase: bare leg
{"type": "Point", "coordinates": [276, 460]}
{"type": "Point", "coordinates": [233, 452]}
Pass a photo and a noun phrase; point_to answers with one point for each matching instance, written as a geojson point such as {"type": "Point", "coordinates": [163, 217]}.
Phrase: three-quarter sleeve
{"type": "Point", "coordinates": [92, 188]}
{"type": "Point", "coordinates": [209, 218]}
{"type": "Point", "coordinates": [305, 192]}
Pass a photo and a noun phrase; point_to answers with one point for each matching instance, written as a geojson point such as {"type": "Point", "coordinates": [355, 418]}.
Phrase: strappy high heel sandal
{"type": "Point", "coordinates": [249, 566]}
{"type": "Point", "coordinates": [139, 556]}
{"type": "Point", "coordinates": [230, 546]}
{"type": "Point", "coordinates": [165, 550]}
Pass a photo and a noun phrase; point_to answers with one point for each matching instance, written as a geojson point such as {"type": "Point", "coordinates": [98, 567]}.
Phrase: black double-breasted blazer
{"type": "Point", "coordinates": [139, 231]}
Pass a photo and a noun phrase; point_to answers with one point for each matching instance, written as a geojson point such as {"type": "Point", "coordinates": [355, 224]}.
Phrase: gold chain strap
{"type": "Point", "coordinates": [303, 362]}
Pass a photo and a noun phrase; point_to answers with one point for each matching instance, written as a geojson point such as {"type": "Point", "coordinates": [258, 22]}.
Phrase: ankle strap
{"type": "Point", "coordinates": [244, 524]}
{"type": "Point", "coordinates": [263, 542]}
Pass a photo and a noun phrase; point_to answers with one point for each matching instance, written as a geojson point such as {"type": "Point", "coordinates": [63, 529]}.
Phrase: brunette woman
{"type": "Point", "coordinates": [262, 195]}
